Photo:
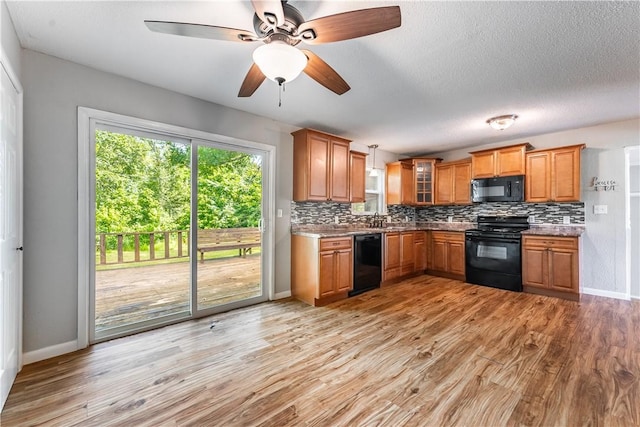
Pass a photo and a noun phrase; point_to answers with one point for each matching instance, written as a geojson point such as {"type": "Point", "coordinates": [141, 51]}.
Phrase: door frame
{"type": "Point", "coordinates": [86, 119]}
{"type": "Point", "coordinates": [15, 81]}
{"type": "Point", "coordinates": [629, 199]}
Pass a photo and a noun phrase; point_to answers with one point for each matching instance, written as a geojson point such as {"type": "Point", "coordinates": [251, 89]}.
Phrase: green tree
{"type": "Point", "coordinates": [144, 184]}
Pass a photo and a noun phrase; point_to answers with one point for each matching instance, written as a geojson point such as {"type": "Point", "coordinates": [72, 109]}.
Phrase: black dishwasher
{"type": "Point", "coordinates": [367, 263]}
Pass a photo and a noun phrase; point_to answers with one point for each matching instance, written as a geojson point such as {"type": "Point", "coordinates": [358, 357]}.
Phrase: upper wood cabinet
{"type": "Point", "coordinates": [399, 183]}
{"type": "Point", "coordinates": [553, 175]}
{"type": "Point", "coordinates": [423, 180]}
{"type": "Point", "coordinates": [321, 164]}
{"type": "Point", "coordinates": [357, 176]}
{"type": "Point", "coordinates": [505, 161]}
{"type": "Point", "coordinates": [453, 183]}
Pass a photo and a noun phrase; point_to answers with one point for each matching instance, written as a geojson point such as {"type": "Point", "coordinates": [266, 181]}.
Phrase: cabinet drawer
{"type": "Point", "coordinates": [449, 236]}
{"type": "Point", "coordinates": [551, 242]}
{"type": "Point", "coordinates": [330, 243]}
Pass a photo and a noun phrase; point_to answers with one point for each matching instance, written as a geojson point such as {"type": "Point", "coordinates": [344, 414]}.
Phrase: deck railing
{"type": "Point", "coordinates": [175, 245]}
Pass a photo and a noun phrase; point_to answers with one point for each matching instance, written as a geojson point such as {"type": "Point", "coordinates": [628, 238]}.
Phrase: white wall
{"type": "Point", "coordinates": [604, 243]}
{"type": "Point", "coordinates": [54, 88]}
{"type": "Point", "coordinates": [9, 39]}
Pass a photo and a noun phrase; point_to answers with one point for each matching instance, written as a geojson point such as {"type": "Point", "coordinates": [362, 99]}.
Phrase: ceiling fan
{"type": "Point", "coordinates": [281, 27]}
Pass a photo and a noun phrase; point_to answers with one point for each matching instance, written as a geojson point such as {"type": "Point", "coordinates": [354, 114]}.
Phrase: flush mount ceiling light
{"type": "Point", "coordinates": [502, 122]}
{"type": "Point", "coordinates": [374, 171]}
{"type": "Point", "coordinates": [280, 61]}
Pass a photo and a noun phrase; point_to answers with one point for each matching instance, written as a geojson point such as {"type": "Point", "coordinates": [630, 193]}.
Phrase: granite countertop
{"type": "Point", "coordinates": [344, 230]}
{"type": "Point", "coordinates": [353, 230]}
{"type": "Point", "coordinates": [555, 230]}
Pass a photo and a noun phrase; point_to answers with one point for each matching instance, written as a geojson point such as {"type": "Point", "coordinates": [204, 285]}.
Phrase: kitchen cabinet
{"type": "Point", "coordinates": [399, 183]}
{"type": "Point", "coordinates": [399, 254]}
{"type": "Point", "coordinates": [446, 254]}
{"type": "Point", "coordinates": [423, 180]}
{"type": "Point", "coordinates": [420, 251]}
{"type": "Point", "coordinates": [321, 269]}
{"type": "Point", "coordinates": [357, 176]}
{"type": "Point", "coordinates": [321, 164]}
{"type": "Point", "coordinates": [553, 175]}
{"type": "Point", "coordinates": [453, 183]}
{"type": "Point", "coordinates": [550, 263]}
{"type": "Point", "coordinates": [392, 256]}
{"type": "Point", "coordinates": [505, 161]}
{"type": "Point", "coordinates": [407, 252]}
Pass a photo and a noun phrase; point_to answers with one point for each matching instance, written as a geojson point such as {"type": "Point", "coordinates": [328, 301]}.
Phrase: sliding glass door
{"type": "Point", "coordinates": [229, 232]}
{"type": "Point", "coordinates": [178, 229]}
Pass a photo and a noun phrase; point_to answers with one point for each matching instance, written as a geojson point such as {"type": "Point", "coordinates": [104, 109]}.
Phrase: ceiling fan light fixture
{"type": "Point", "coordinates": [502, 122]}
{"type": "Point", "coordinates": [279, 61]}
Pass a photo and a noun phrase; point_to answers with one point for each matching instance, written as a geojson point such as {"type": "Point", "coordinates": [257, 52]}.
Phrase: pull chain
{"type": "Point", "coordinates": [280, 81]}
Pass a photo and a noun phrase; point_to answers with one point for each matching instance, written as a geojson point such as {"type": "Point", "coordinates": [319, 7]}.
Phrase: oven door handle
{"type": "Point", "coordinates": [479, 239]}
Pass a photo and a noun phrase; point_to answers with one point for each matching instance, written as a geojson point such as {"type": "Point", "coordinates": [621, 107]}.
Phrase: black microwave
{"type": "Point", "coordinates": [500, 189]}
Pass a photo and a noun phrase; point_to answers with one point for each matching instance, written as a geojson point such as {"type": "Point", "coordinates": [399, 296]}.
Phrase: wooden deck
{"type": "Point", "coordinates": [427, 351]}
{"type": "Point", "coordinates": [132, 294]}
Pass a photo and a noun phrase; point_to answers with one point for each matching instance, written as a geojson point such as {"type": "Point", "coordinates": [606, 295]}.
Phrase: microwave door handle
{"type": "Point", "coordinates": [509, 189]}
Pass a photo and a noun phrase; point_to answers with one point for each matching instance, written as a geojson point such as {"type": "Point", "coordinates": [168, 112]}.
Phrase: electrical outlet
{"type": "Point", "coordinates": [566, 220]}
{"type": "Point", "coordinates": [279, 213]}
{"type": "Point", "coordinates": [337, 219]}
{"type": "Point", "coordinates": [450, 219]}
{"type": "Point", "coordinates": [532, 219]}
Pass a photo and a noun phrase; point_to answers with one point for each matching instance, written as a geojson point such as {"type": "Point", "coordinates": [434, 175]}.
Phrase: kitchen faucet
{"type": "Point", "coordinates": [376, 221]}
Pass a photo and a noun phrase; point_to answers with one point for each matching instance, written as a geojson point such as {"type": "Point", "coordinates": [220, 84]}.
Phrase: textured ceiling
{"type": "Point", "coordinates": [427, 86]}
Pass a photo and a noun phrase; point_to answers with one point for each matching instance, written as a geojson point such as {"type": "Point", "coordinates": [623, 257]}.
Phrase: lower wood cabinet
{"type": "Point", "coordinates": [446, 254]}
{"type": "Point", "coordinates": [550, 263]}
{"type": "Point", "coordinates": [321, 268]}
{"type": "Point", "coordinates": [404, 254]}
{"type": "Point", "coordinates": [391, 256]}
{"type": "Point", "coordinates": [420, 251]}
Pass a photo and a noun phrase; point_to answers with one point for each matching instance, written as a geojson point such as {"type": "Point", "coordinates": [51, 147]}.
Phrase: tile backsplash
{"type": "Point", "coordinates": [545, 213]}
{"type": "Point", "coordinates": [318, 213]}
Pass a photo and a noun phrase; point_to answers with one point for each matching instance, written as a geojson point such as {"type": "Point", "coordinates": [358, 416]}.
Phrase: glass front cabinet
{"type": "Point", "coordinates": [423, 181]}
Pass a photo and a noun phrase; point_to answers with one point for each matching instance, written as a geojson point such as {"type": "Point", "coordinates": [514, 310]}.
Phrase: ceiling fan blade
{"type": "Point", "coordinates": [322, 72]}
{"type": "Point", "coordinates": [201, 31]}
{"type": "Point", "coordinates": [350, 25]}
{"type": "Point", "coordinates": [270, 12]}
{"type": "Point", "coordinates": [252, 81]}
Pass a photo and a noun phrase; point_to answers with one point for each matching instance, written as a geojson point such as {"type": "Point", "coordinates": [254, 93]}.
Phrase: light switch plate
{"type": "Point", "coordinates": [566, 220]}
{"type": "Point", "coordinates": [600, 209]}
{"type": "Point", "coordinates": [279, 213]}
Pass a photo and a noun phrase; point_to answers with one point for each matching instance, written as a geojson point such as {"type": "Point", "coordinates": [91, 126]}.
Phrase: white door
{"type": "Point", "coordinates": [10, 232]}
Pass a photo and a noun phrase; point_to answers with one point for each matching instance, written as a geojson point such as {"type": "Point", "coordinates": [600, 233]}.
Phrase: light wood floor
{"type": "Point", "coordinates": [424, 352]}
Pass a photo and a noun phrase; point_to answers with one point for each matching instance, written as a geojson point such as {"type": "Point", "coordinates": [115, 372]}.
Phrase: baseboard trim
{"type": "Point", "coordinates": [607, 294]}
{"type": "Point", "coordinates": [281, 295]}
{"type": "Point", "coordinates": [49, 352]}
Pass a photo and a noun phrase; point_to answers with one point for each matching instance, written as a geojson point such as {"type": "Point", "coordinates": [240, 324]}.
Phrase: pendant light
{"type": "Point", "coordinates": [374, 171]}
